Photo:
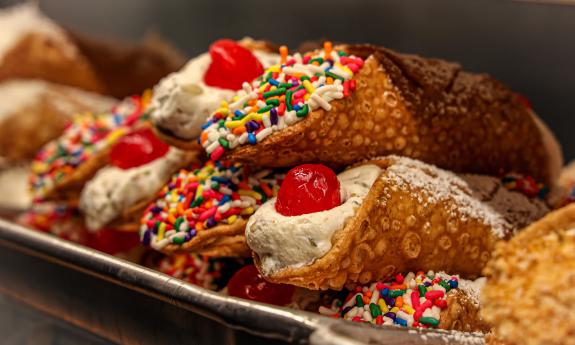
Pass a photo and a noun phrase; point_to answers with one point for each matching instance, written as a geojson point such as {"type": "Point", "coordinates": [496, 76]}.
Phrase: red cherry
{"type": "Point", "coordinates": [308, 188]}
{"type": "Point", "coordinates": [113, 242]}
{"type": "Point", "coordinates": [231, 65]}
{"type": "Point", "coordinates": [137, 148]}
{"type": "Point", "coordinates": [248, 283]}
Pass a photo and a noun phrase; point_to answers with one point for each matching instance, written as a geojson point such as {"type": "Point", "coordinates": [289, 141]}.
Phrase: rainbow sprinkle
{"type": "Point", "coordinates": [209, 273]}
{"type": "Point", "coordinates": [283, 96]}
{"type": "Point", "coordinates": [414, 300]}
{"type": "Point", "coordinates": [86, 135]}
{"type": "Point", "coordinates": [525, 185]}
{"type": "Point", "coordinates": [203, 197]}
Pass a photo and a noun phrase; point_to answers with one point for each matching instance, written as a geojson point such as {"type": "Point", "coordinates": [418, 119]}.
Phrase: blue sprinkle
{"type": "Point", "coordinates": [273, 82]}
{"type": "Point", "coordinates": [390, 315]}
{"type": "Point", "coordinates": [400, 321]}
{"type": "Point", "coordinates": [207, 124]}
{"type": "Point", "coordinates": [225, 199]}
{"type": "Point", "coordinates": [156, 210]}
{"type": "Point", "coordinates": [453, 284]}
{"type": "Point", "coordinates": [220, 179]}
{"type": "Point", "coordinates": [296, 107]}
{"type": "Point", "coordinates": [389, 301]}
{"type": "Point", "coordinates": [198, 140]}
{"type": "Point", "coordinates": [211, 222]}
{"type": "Point", "coordinates": [252, 138]}
{"type": "Point", "coordinates": [384, 292]}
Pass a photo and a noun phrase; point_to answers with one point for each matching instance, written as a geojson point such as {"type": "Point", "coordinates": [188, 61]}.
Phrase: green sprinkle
{"type": "Point", "coordinates": [375, 310]}
{"type": "Point", "coordinates": [422, 290]}
{"type": "Point", "coordinates": [303, 111]}
{"type": "Point", "coordinates": [445, 285]}
{"type": "Point", "coordinates": [177, 223]}
{"type": "Point", "coordinates": [338, 303]}
{"type": "Point", "coordinates": [198, 201]}
{"type": "Point", "coordinates": [430, 321]}
{"type": "Point", "coordinates": [260, 192]}
{"type": "Point", "coordinates": [157, 225]}
{"type": "Point", "coordinates": [299, 88]}
{"type": "Point", "coordinates": [304, 77]}
{"type": "Point", "coordinates": [288, 100]}
{"type": "Point", "coordinates": [285, 85]}
{"type": "Point", "coordinates": [318, 75]}
{"type": "Point", "coordinates": [224, 142]}
{"type": "Point", "coordinates": [341, 53]}
{"type": "Point", "coordinates": [276, 92]}
{"type": "Point", "coordinates": [269, 76]}
{"type": "Point", "coordinates": [359, 301]}
{"type": "Point", "coordinates": [222, 123]}
{"type": "Point", "coordinates": [265, 109]}
{"type": "Point", "coordinates": [178, 239]}
{"type": "Point", "coordinates": [396, 293]}
{"type": "Point", "coordinates": [318, 59]}
{"type": "Point", "coordinates": [215, 186]}
{"type": "Point", "coordinates": [274, 101]}
{"type": "Point", "coordinates": [333, 75]}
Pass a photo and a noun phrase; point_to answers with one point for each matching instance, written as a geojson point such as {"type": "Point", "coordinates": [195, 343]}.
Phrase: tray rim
{"type": "Point", "coordinates": [257, 318]}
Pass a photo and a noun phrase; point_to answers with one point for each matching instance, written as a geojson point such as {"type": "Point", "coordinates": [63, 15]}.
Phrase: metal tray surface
{"type": "Point", "coordinates": [130, 304]}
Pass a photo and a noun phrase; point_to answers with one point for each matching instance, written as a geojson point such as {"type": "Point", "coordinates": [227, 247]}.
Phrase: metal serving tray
{"type": "Point", "coordinates": [126, 303]}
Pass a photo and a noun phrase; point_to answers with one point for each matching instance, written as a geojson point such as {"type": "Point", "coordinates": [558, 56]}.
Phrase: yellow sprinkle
{"type": "Point", "coordinates": [237, 123]}
{"type": "Point", "coordinates": [235, 98]}
{"type": "Point", "coordinates": [382, 306]}
{"type": "Point", "coordinates": [224, 104]}
{"type": "Point", "coordinates": [251, 193]}
{"type": "Point", "coordinates": [248, 211]}
{"type": "Point", "coordinates": [262, 88]}
{"type": "Point", "coordinates": [223, 111]}
{"type": "Point", "coordinates": [161, 231]}
{"type": "Point", "coordinates": [232, 219]}
{"type": "Point", "coordinates": [307, 96]}
{"type": "Point", "coordinates": [199, 191]}
{"type": "Point", "coordinates": [275, 68]}
{"type": "Point", "coordinates": [146, 98]}
{"type": "Point", "coordinates": [115, 135]}
{"type": "Point", "coordinates": [408, 309]}
{"type": "Point", "coordinates": [345, 68]}
{"type": "Point", "coordinates": [308, 86]}
{"type": "Point", "coordinates": [394, 310]}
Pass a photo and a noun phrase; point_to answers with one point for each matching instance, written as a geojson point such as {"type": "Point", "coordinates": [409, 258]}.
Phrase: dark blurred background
{"type": "Point", "coordinates": [528, 45]}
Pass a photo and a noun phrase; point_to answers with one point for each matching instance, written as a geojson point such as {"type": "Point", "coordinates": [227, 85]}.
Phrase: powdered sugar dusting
{"type": "Point", "coordinates": [471, 288]}
{"type": "Point", "coordinates": [474, 196]}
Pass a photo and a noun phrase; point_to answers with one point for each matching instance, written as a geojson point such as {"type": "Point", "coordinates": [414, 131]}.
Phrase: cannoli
{"type": "Point", "coordinates": [140, 165]}
{"type": "Point", "coordinates": [529, 296]}
{"type": "Point", "coordinates": [204, 209]}
{"type": "Point", "coordinates": [33, 112]}
{"type": "Point", "coordinates": [415, 300]}
{"type": "Point", "coordinates": [182, 101]}
{"type": "Point", "coordinates": [62, 167]}
{"type": "Point", "coordinates": [127, 68]}
{"type": "Point", "coordinates": [382, 217]}
{"type": "Point", "coordinates": [33, 46]}
{"type": "Point", "coordinates": [340, 105]}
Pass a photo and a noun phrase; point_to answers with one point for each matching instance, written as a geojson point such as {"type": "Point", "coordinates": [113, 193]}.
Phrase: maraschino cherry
{"type": "Point", "coordinates": [231, 66]}
{"type": "Point", "coordinates": [136, 149]}
{"type": "Point", "coordinates": [308, 188]}
{"type": "Point", "coordinates": [248, 283]}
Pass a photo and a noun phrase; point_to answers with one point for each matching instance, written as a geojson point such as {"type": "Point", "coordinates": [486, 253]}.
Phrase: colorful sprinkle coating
{"type": "Point", "coordinates": [284, 95]}
{"type": "Point", "coordinates": [209, 273]}
{"type": "Point", "coordinates": [86, 135]}
{"type": "Point", "coordinates": [525, 185]}
{"type": "Point", "coordinates": [203, 197]}
{"type": "Point", "coordinates": [413, 300]}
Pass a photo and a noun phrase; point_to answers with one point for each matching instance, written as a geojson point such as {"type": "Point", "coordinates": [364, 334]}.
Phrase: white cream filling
{"type": "Point", "coordinates": [297, 241]}
{"type": "Point", "coordinates": [114, 190]}
{"type": "Point", "coordinates": [182, 102]}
